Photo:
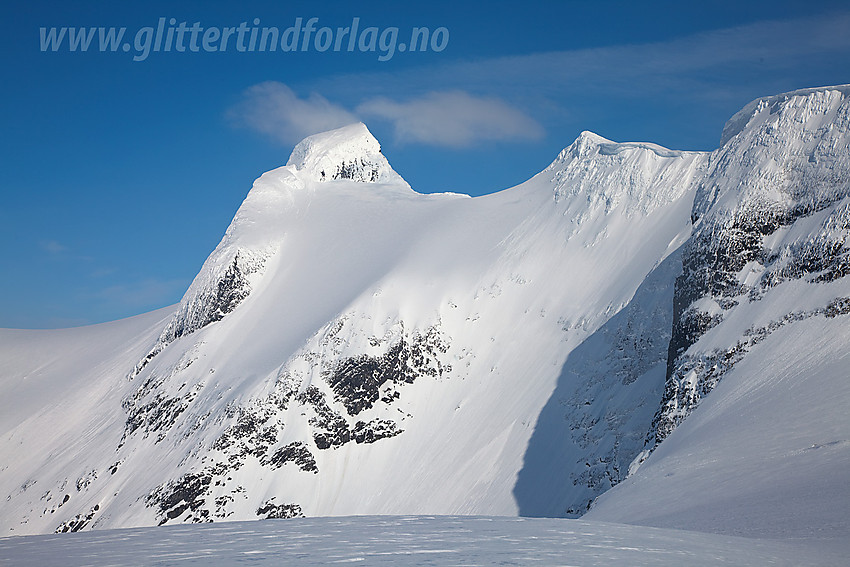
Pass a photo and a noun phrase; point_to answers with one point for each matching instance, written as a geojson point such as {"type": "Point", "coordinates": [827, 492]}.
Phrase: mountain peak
{"type": "Point", "coordinates": [589, 143]}
{"type": "Point", "coordinates": [350, 152]}
{"type": "Point", "coordinates": [817, 99]}
{"type": "Point", "coordinates": [780, 155]}
{"type": "Point", "coordinates": [586, 142]}
{"type": "Point", "coordinates": [597, 174]}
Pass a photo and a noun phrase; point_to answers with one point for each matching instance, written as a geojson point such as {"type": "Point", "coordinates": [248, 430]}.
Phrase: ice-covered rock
{"type": "Point", "coordinates": [772, 208]}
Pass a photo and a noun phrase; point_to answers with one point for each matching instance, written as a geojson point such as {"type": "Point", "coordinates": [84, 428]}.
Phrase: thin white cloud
{"type": "Point", "coordinates": [764, 56]}
{"type": "Point", "coordinates": [719, 69]}
{"type": "Point", "coordinates": [450, 118]}
{"type": "Point", "coordinates": [453, 118]}
{"type": "Point", "coordinates": [52, 247]}
{"type": "Point", "coordinates": [274, 109]}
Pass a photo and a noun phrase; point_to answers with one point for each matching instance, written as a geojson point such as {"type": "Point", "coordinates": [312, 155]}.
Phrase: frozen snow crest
{"type": "Point", "coordinates": [350, 152]}
{"type": "Point", "coordinates": [596, 174]}
{"type": "Point", "coordinates": [807, 101]}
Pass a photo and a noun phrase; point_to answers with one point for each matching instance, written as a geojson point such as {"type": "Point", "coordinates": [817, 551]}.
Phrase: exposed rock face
{"type": "Point", "coordinates": [359, 382]}
{"type": "Point", "coordinates": [184, 494]}
{"type": "Point", "coordinates": [271, 510]}
{"type": "Point", "coordinates": [79, 522]}
{"type": "Point", "coordinates": [296, 452]}
{"type": "Point", "coordinates": [210, 298]}
{"type": "Point", "coordinates": [212, 304]}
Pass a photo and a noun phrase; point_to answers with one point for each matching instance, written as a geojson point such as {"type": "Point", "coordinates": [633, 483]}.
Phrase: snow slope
{"type": "Point", "coordinates": [765, 455]}
{"type": "Point", "coordinates": [58, 386]}
{"type": "Point", "coordinates": [354, 347]}
{"type": "Point", "coordinates": [43, 371]}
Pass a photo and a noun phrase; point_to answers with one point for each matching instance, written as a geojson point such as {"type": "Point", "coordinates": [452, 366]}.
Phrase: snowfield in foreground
{"type": "Point", "coordinates": [405, 540]}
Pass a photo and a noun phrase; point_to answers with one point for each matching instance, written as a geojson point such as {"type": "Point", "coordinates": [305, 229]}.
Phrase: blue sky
{"type": "Point", "coordinates": [119, 176]}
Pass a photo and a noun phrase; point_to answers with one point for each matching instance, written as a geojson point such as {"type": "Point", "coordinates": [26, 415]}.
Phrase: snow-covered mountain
{"type": "Point", "coordinates": [354, 347]}
{"type": "Point", "coordinates": [761, 321]}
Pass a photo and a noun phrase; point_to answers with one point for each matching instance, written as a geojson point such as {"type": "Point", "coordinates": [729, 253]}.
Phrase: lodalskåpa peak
{"type": "Point", "coordinates": [350, 152]}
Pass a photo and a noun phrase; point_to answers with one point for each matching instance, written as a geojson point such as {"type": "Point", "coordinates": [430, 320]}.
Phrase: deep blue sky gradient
{"type": "Point", "coordinates": [119, 177]}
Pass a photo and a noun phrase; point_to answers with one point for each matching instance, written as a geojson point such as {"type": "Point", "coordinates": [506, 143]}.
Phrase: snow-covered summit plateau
{"type": "Point", "coordinates": [671, 324]}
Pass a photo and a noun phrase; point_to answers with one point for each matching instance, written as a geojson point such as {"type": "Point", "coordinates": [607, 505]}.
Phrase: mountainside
{"type": "Point", "coordinates": [761, 312]}
{"type": "Point", "coordinates": [354, 347]}
{"type": "Point", "coordinates": [771, 216]}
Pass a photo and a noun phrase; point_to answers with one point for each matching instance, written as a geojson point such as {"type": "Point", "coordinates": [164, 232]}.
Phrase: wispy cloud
{"type": "Point", "coordinates": [52, 247]}
{"type": "Point", "coordinates": [448, 118]}
{"type": "Point", "coordinates": [454, 119]}
{"type": "Point", "coordinates": [508, 98]}
{"type": "Point", "coordinates": [727, 64]}
{"type": "Point", "coordinates": [274, 109]}
{"type": "Point", "coordinates": [774, 44]}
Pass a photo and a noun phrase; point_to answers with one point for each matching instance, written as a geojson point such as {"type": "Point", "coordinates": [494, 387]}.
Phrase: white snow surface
{"type": "Point", "coordinates": [542, 314]}
{"type": "Point", "coordinates": [405, 540]}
